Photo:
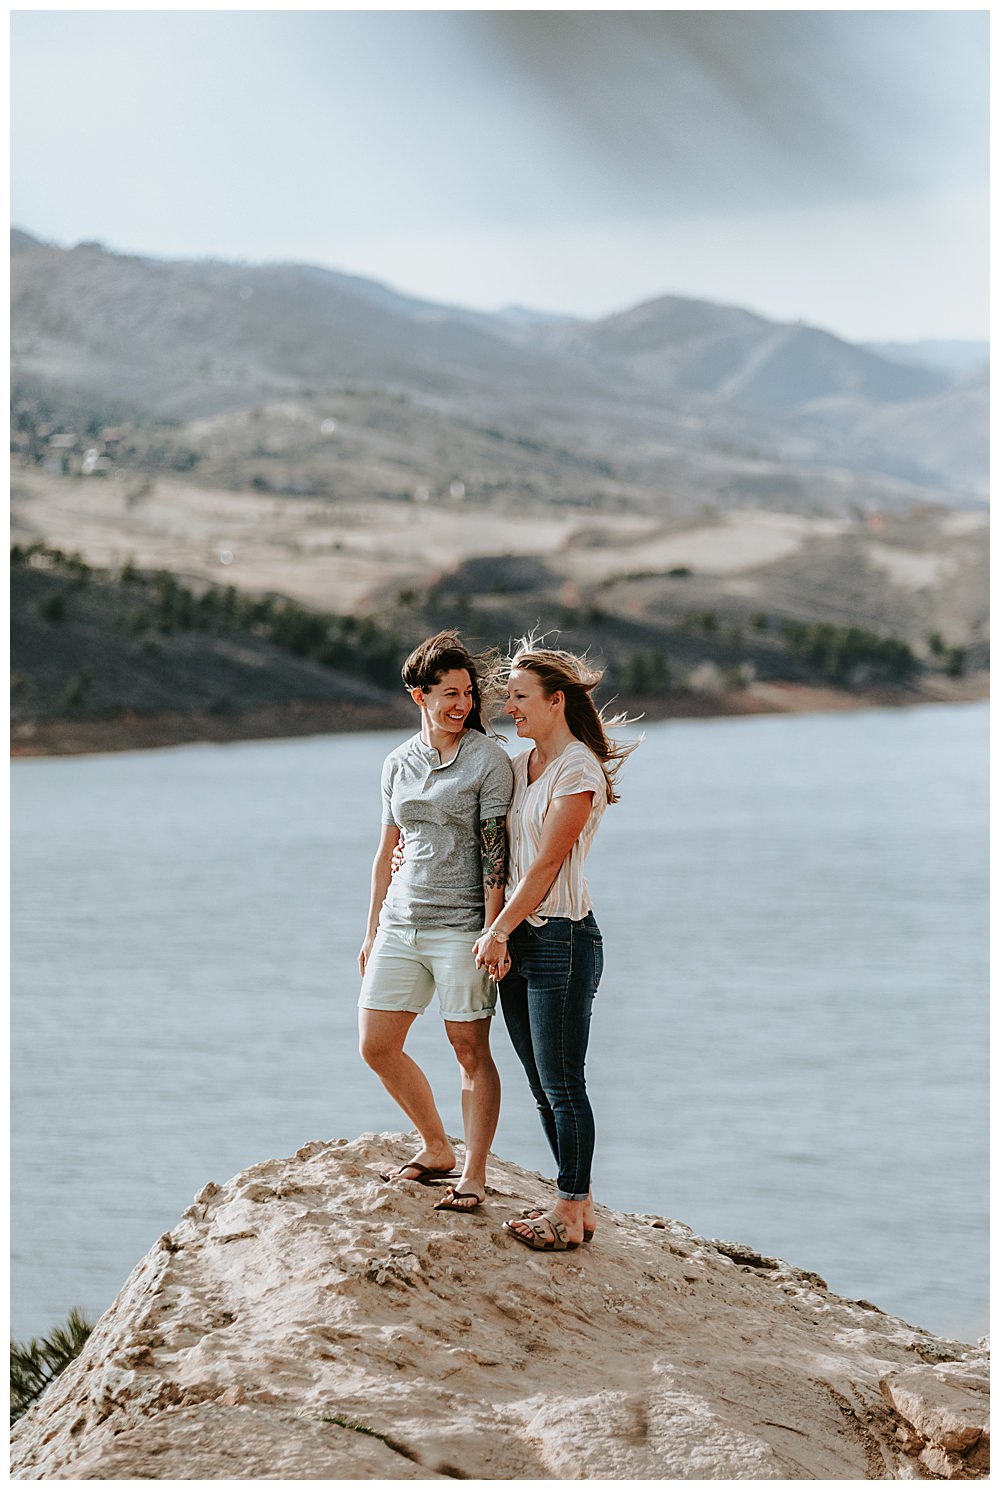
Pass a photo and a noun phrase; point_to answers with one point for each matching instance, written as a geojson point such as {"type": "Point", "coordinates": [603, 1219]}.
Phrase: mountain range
{"type": "Point", "coordinates": [671, 405]}
{"type": "Point", "coordinates": [719, 504]}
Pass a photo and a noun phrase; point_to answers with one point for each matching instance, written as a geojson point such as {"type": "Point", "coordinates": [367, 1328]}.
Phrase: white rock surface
{"type": "Point", "coordinates": [307, 1321]}
{"type": "Point", "coordinates": [947, 1410]}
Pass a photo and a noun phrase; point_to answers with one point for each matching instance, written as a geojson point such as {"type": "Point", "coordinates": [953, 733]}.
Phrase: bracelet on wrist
{"type": "Point", "coordinates": [498, 936]}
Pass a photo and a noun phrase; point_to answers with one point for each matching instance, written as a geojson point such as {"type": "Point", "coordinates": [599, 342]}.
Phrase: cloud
{"type": "Point", "coordinates": [686, 109]}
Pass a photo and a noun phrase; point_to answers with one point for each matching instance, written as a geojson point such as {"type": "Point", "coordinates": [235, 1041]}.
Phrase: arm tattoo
{"type": "Point", "coordinates": [494, 841]}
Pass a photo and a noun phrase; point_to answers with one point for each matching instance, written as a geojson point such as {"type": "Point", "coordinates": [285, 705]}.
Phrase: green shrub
{"type": "Point", "coordinates": [647, 672]}
{"type": "Point", "coordinates": [659, 672]}
{"type": "Point", "coordinates": [637, 673]}
{"type": "Point", "coordinates": [836, 651]}
{"type": "Point", "coordinates": [78, 568]}
{"type": "Point", "coordinates": [76, 690]}
{"type": "Point", "coordinates": [184, 612]}
{"type": "Point", "coordinates": [52, 607]}
{"type": "Point", "coordinates": [955, 663]}
{"type": "Point", "coordinates": [34, 1365]}
{"type": "Point", "coordinates": [301, 631]}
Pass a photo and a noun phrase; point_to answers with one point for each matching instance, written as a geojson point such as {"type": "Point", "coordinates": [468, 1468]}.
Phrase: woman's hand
{"type": "Point", "coordinates": [365, 953]}
{"type": "Point", "coordinates": [397, 856]}
{"type": "Point", "coordinates": [492, 956]}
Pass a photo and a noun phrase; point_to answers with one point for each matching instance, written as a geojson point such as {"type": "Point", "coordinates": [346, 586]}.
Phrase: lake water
{"type": "Point", "coordinates": [789, 1045]}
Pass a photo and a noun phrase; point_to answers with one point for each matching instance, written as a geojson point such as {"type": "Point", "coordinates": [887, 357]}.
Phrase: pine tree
{"type": "Point", "coordinates": [34, 1365]}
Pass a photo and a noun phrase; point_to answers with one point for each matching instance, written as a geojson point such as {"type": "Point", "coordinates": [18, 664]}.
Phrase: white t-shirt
{"type": "Point", "coordinates": [575, 769]}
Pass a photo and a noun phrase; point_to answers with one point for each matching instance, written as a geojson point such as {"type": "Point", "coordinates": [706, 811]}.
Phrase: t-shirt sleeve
{"type": "Point", "coordinates": [580, 773]}
{"type": "Point", "coordinates": [497, 788]}
{"type": "Point", "coordinates": [388, 821]}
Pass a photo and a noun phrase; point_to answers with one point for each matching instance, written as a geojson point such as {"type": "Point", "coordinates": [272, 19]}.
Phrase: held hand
{"type": "Point", "coordinates": [492, 956]}
{"type": "Point", "coordinates": [479, 951]}
{"type": "Point", "coordinates": [397, 856]}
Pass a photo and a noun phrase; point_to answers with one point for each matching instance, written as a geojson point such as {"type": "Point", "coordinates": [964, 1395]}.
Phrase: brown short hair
{"type": "Point", "coordinates": [446, 652]}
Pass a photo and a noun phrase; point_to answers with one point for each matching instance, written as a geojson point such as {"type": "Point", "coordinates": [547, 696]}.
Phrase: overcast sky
{"type": "Point", "coordinates": [828, 166]}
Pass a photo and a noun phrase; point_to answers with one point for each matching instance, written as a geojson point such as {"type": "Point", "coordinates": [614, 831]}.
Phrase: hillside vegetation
{"type": "Point", "coordinates": [274, 479]}
{"type": "Point", "coordinates": [128, 649]}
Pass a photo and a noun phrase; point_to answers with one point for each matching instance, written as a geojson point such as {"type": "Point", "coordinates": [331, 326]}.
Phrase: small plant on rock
{"type": "Point", "coordinates": [34, 1365]}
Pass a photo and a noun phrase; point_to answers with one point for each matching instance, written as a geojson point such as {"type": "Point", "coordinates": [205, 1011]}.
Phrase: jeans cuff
{"type": "Point", "coordinates": [566, 1195]}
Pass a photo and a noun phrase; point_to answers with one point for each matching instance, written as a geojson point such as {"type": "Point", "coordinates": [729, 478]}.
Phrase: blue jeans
{"type": "Point", "coordinates": [546, 999]}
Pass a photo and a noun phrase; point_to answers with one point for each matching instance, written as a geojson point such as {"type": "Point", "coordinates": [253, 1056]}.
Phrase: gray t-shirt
{"type": "Point", "coordinates": [439, 809]}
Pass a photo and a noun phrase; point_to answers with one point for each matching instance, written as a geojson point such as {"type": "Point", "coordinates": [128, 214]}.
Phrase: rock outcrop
{"type": "Point", "coordinates": [308, 1321]}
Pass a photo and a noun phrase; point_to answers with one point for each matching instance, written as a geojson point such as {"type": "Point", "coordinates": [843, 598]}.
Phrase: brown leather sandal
{"type": "Point", "coordinates": [541, 1241]}
{"type": "Point", "coordinates": [589, 1232]}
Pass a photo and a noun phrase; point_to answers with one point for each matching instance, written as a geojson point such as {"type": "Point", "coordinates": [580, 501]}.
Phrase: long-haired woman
{"type": "Point", "coordinates": [446, 790]}
{"type": "Point", "coordinates": [561, 789]}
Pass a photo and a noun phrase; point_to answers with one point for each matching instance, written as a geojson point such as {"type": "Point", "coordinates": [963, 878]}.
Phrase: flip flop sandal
{"type": "Point", "coordinates": [589, 1232]}
{"type": "Point", "coordinates": [424, 1175]}
{"type": "Point", "coordinates": [451, 1195]}
{"type": "Point", "coordinates": [557, 1242]}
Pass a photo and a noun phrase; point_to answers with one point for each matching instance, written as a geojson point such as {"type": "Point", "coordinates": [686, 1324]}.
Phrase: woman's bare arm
{"type": "Point", "coordinates": [564, 822]}
{"type": "Point", "coordinates": [381, 875]}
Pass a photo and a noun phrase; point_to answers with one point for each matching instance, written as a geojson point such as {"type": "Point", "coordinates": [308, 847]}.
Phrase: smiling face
{"type": "Point", "coordinates": [527, 705]}
{"type": "Point", "coordinates": [448, 702]}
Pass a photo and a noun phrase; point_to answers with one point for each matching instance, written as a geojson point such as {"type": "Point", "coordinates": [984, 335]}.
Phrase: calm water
{"type": "Point", "coordinates": [790, 1041]}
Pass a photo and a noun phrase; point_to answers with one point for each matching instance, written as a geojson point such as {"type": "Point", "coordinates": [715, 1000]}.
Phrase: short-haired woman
{"type": "Point", "coordinates": [446, 790]}
{"type": "Point", "coordinates": [561, 789]}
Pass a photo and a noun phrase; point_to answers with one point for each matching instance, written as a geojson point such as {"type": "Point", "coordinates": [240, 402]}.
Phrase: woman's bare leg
{"type": "Point", "coordinates": [381, 1044]}
{"type": "Point", "coordinates": [480, 1099]}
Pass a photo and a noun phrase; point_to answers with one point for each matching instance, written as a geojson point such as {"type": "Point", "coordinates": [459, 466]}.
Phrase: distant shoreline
{"type": "Point", "coordinates": [302, 717]}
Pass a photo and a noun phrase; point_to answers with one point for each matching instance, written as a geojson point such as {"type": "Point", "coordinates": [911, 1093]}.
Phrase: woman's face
{"type": "Point", "coordinates": [527, 705]}
{"type": "Point", "coordinates": [449, 701]}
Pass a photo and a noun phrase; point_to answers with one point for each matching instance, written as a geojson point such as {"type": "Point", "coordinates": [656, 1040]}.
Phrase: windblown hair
{"type": "Point", "coordinates": [573, 676]}
{"type": "Point", "coordinates": [445, 652]}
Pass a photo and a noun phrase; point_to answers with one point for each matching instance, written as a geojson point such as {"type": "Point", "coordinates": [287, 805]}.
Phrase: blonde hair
{"type": "Point", "coordinates": [574, 677]}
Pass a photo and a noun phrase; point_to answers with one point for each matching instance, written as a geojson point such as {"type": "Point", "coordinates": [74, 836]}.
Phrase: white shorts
{"type": "Point", "coordinates": [407, 963]}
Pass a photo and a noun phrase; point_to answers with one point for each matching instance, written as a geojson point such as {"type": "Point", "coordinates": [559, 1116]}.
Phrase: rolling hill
{"type": "Point", "coordinates": [718, 505]}
{"type": "Point", "coordinates": [671, 382]}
